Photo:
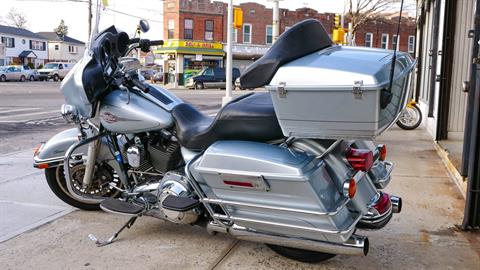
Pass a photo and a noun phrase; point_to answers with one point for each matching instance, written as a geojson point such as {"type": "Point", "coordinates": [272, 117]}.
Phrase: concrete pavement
{"type": "Point", "coordinates": [423, 236]}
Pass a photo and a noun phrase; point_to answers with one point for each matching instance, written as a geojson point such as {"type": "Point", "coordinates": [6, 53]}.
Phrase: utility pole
{"type": "Point", "coordinates": [276, 20]}
{"type": "Point", "coordinates": [228, 83]}
{"type": "Point", "coordinates": [89, 18]}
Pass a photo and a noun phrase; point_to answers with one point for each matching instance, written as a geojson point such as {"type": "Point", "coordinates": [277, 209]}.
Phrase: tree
{"type": "Point", "coordinates": [61, 30]}
{"type": "Point", "coordinates": [16, 18]}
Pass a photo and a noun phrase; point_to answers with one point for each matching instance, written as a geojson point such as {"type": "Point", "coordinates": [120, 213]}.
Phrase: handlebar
{"type": "Point", "coordinates": [140, 85]}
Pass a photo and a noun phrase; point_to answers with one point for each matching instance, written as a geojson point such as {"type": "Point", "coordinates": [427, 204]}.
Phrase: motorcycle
{"type": "Point", "coordinates": [411, 116]}
{"type": "Point", "coordinates": [138, 150]}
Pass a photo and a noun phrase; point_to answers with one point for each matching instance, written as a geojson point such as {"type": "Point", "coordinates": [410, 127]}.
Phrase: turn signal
{"type": "Point", "coordinates": [37, 149]}
{"type": "Point", "coordinates": [349, 188]}
{"type": "Point", "coordinates": [360, 159]}
{"type": "Point", "coordinates": [382, 150]}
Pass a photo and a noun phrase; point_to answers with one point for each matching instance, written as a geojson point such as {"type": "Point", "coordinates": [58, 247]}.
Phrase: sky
{"type": "Point", "coordinates": [45, 15]}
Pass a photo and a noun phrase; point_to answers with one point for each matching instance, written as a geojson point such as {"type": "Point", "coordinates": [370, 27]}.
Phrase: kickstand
{"type": "Point", "coordinates": [110, 240]}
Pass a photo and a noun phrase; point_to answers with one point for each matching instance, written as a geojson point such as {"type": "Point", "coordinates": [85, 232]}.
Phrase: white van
{"type": "Point", "coordinates": [55, 70]}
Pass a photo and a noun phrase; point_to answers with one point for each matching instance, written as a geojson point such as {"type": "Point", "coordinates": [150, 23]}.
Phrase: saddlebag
{"type": "Point", "coordinates": [277, 190]}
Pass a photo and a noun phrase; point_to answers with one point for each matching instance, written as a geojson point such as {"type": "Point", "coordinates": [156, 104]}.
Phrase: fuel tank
{"type": "Point", "coordinates": [125, 112]}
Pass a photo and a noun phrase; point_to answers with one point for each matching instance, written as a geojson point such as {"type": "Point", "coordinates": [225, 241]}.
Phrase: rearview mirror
{"type": "Point", "coordinates": [144, 26]}
{"type": "Point", "coordinates": [129, 64]}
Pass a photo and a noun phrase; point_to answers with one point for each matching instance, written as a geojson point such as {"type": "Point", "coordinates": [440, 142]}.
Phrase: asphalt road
{"type": "Point", "coordinates": [30, 111]}
{"type": "Point", "coordinates": [30, 114]}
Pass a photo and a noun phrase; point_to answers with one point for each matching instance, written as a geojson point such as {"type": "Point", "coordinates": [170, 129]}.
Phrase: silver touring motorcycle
{"type": "Point", "coordinates": [294, 167]}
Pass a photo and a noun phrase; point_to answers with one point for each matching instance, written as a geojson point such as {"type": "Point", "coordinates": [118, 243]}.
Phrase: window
{"type": "Point", "coordinates": [384, 44]}
{"type": "Point", "coordinates": [394, 42]}
{"type": "Point", "coordinates": [37, 45]}
{"type": "Point", "coordinates": [235, 35]}
{"type": "Point", "coordinates": [56, 47]}
{"type": "Point", "coordinates": [71, 49]}
{"type": "Point", "coordinates": [188, 31]}
{"type": "Point", "coordinates": [269, 34]}
{"type": "Point", "coordinates": [411, 44]}
{"type": "Point", "coordinates": [208, 30]}
{"type": "Point", "coordinates": [60, 66]}
{"type": "Point", "coordinates": [171, 28]}
{"type": "Point", "coordinates": [8, 41]}
{"type": "Point", "coordinates": [247, 33]}
{"type": "Point", "coordinates": [368, 40]}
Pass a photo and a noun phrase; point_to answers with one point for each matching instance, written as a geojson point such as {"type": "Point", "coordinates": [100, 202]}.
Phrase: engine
{"type": "Point", "coordinates": [176, 185]}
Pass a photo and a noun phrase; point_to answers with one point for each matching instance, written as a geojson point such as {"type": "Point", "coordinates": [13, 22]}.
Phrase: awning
{"type": "Point", "coordinates": [25, 54]}
{"type": "Point", "coordinates": [191, 47]}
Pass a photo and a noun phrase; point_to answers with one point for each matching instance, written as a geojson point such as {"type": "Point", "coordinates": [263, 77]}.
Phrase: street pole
{"type": "Point", "coordinates": [276, 20]}
{"type": "Point", "coordinates": [228, 95]}
{"type": "Point", "coordinates": [89, 18]}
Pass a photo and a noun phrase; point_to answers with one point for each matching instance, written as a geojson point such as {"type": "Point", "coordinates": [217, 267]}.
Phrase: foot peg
{"type": "Point", "coordinates": [115, 206]}
{"type": "Point", "coordinates": [180, 204]}
{"type": "Point", "coordinates": [110, 240]}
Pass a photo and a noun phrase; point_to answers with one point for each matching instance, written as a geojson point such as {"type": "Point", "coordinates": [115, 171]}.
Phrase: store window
{"type": "Point", "coordinates": [369, 40]}
{"type": "Point", "coordinates": [411, 44]}
{"type": "Point", "coordinates": [269, 34]}
{"type": "Point", "coordinates": [384, 41]}
{"type": "Point", "coordinates": [208, 30]}
{"type": "Point", "coordinates": [171, 28]}
{"type": "Point", "coordinates": [394, 42]}
{"type": "Point", "coordinates": [188, 31]}
{"type": "Point", "coordinates": [247, 33]}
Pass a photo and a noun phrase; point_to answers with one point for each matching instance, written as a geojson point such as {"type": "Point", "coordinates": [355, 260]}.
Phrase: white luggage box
{"type": "Point", "coordinates": [340, 92]}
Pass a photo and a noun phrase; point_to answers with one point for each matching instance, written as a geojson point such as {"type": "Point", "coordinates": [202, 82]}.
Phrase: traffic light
{"type": "Point", "coordinates": [237, 18]}
{"type": "Point", "coordinates": [337, 20]}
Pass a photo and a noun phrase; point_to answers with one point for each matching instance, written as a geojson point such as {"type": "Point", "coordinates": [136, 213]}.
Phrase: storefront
{"type": "Point", "coordinates": [186, 58]}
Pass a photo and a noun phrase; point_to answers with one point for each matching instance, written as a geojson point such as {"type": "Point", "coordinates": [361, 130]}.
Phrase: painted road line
{"type": "Point", "coordinates": [28, 114]}
{"type": "Point", "coordinates": [19, 110]}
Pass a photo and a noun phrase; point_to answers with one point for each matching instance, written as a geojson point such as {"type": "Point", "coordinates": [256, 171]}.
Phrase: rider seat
{"type": "Point", "coordinates": [250, 117]}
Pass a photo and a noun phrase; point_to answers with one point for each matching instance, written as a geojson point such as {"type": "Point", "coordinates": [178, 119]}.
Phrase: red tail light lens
{"type": "Point", "coordinates": [360, 159]}
{"type": "Point", "coordinates": [383, 203]}
{"type": "Point", "coordinates": [382, 150]}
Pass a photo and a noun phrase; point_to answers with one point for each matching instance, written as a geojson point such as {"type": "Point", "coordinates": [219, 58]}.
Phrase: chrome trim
{"type": "Point", "coordinates": [268, 207]}
{"type": "Point", "coordinates": [119, 213]}
{"type": "Point", "coordinates": [295, 227]}
{"type": "Point", "coordinates": [355, 245]}
{"type": "Point", "coordinates": [396, 204]}
{"type": "Point", "coordinates": [383, 182]}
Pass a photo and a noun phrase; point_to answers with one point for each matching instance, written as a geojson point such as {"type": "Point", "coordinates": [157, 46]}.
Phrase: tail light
{"type": "Point", "coordinates": [382, 150]}
{"type": "Point", "coordinates": [383, 203]}
{"type": "Point", "coordinates": [349, 188]}
{"type": "Point", "coordinates": [360, 159]}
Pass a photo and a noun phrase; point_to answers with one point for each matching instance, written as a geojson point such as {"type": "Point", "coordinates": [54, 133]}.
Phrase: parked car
{"type": "Point", "coordinates": [12, 73]}
{"type": "Point", "coordinates": [55, 70]}
{"type": "Point", "coordinates": [147, 73]}
{"type": "Point", "coordinates": [211, 78]}
{"type": "Point", "coordinates": [31, 74]}
{"type": "Point", "coordinates": [238, 86]}
{"type": "Point", "coordinates": [157, 77]}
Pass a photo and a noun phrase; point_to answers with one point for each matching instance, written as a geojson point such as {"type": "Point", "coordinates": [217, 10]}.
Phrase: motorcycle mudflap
{"type": "Point", "coordinates": [257, 173]}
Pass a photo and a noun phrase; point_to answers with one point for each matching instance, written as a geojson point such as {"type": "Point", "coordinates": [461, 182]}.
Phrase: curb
{"type": "Point", "coordinates": [459, 180]}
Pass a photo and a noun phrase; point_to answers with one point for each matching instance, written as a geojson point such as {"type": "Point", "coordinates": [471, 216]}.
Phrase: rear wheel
{"type": "Point", "coordinates": [56, 78]}
{"type": "Point", "coordinates": [301, 255]}
{"type": "Point", "coordinates": [31, 78]}
{"type": "Point", "coordinates": [103, 176]}
{"type": "Point", "coordinates": [3, 78]}
{"type": "Point", "coordinates": [22, 78]}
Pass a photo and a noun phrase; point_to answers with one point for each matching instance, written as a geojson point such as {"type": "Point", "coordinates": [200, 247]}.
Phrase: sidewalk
{"type": "Point", "coordinates": [423, 236]}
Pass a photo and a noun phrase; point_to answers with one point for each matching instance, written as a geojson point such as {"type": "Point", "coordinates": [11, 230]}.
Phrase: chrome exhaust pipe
{"type": "Point", "coordinates": [355, 245]}
{"type": "Point", "coordinates": [396, 204]}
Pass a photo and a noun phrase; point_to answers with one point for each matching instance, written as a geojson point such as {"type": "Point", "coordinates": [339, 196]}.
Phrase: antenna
{"type": "Point", "coordinates": [397, 45]}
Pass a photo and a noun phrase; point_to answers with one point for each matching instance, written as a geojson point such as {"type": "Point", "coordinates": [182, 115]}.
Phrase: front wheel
{"type": "Point", "coordinates": [300, 254]}
{"type": "Point", "coordinates": [410, 118]}
{"type": "Point", "coordinates": [103, 176]}
{"type": "Point", "coordinates": [56, 78]}
{"type": "Point", "coordinates": [3, 78]}
{"type": "Point", "coordinates": [32, 78]}
{"type": "Point", "coordinates": [199, 85]}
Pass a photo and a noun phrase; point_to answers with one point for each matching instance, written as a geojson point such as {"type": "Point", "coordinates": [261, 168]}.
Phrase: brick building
{"type": "Point", "coordinates": [196, 30]}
